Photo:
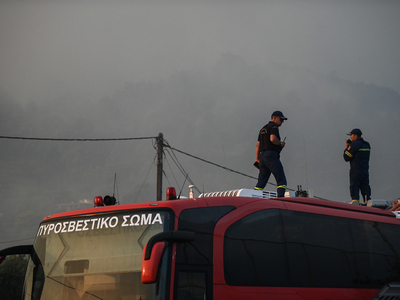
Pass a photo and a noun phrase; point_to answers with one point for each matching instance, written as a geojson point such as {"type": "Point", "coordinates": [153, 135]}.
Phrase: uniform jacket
{"type": "Point", "coordinates": [358, 156]}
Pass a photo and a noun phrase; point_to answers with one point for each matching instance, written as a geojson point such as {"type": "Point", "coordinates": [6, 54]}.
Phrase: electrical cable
{"type": "Point", "coordinates": [166, 144]}
{"type": "Point", "coordinates": [180, 168]}
{"type": "Point", "coordinates": [173, 175]}
{"type": "Point", "coordinates": [76, 140]}
{"type": "Point", "coordinates": [209, 162]}
{"type": "Point", "coordinates": [225, 168]}
{"type": "Point", "coordinates": [175, 159]}
{"type": "Point", "coordinates": [152, 163]}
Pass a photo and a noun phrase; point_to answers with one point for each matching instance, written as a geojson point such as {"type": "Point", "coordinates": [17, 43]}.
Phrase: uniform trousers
{"type": "Point", "coordinates": [360, 182]}
{"type": "Point", "coordinates": [270, 163]}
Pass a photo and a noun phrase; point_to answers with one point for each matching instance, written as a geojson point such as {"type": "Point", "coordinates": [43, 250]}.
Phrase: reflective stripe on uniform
{"type": "Point", "coordinates": [348, 154]}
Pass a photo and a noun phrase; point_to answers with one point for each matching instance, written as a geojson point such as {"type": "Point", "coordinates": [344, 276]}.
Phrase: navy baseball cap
{"type": "Point", "coordinates": [355, 131]}
{"type": "Point", "coordinates": [279, 114]}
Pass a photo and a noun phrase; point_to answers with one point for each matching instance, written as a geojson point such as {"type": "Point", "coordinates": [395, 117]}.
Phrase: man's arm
{"type": "Point", "coordinates": [257, 151]}
{"type": "Point", "coordinates": [351, 149]}
{"type": "Point", "coordinates": [274, 140]}
{"type": "Point", "coordinates": [347, 155]}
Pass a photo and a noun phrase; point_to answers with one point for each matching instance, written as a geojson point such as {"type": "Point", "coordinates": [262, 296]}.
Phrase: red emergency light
{"type": "Point", "coordinates": [98, 201]}
{"type": "Point", "coordinates": [108, 200]}
{"type": "Point", "coordinates": [171, 193]}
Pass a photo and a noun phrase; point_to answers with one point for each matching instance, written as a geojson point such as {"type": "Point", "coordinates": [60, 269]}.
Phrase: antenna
{"type": "Point", "coordinates": [115, 180]}
{"type": "Point", "coordinates": [305, 161]}
{"type": "Point", "coordinates": [115, 186]}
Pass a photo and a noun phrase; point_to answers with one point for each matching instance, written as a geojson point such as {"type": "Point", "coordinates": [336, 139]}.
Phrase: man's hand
{"type": "Point", "coordinates": [347, 144]}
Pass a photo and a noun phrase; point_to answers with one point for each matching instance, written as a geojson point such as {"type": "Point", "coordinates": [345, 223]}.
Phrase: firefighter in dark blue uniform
{"type": "Point", "coordinates": [268, 149]}
{"type": "Point", "coordinates": [357, 152]}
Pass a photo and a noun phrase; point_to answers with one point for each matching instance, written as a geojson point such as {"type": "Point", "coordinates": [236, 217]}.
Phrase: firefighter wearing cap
{"type": "Point", "coordinates": [357, 152]}
{"type": "Point", "coordinates": [268, 149]}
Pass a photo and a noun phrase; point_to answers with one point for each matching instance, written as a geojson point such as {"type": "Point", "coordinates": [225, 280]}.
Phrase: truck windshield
{"type": "Point", "coordinates": [95, 257]}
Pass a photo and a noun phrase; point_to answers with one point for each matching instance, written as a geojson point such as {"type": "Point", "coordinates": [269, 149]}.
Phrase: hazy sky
{"type": "Point", "coordinates": [207, 74]}
{"type": "Point", "coordinates": [51, 47]}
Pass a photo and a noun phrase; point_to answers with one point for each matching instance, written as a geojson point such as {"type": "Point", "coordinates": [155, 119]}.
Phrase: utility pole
{"type": "Point", "coordinates": [160, 144]}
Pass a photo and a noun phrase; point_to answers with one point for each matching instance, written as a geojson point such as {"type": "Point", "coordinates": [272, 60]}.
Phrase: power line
{"type": "Point", "coordinates": [140, 138]}
{"type": "Point", "coordinates": [180, 167]}
{"type": "Point", "coordinates": [173, 156]}
{"type": "Point", "coordinates": [209, 162]}
{"type": "Point", "coordinates": [76, 140]}
{"type": "Point", "coordinates": [145, 179]}
{"type": "Point", "coordinates": [228, 169]}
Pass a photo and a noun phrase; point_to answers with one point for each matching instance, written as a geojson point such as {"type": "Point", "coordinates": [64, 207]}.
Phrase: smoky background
{"type": "Point", "coordinates": [208, 76]}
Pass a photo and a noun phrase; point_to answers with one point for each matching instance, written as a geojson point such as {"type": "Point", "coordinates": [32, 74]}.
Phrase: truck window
{"type": "Point", "coordinates": [195, 259]}
{"type": "Point", "coordinates": [287, 248]}
{"type": "Point", "coordinates": [192, 285]}
{"type": "Point", "coordinates": [202, 221]}
{"type": "Point", "coordinates": [95, 257]}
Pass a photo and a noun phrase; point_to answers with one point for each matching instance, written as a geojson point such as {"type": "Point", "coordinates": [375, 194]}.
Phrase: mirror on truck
{"type": "Point", "coordinates": [13, 264]}
{"type": "Point", "coordinates": [150, 266]}
{"type": "Point", "coordinates": [25, 249]}
{"type": "Point", "coordinates": [154, 249]}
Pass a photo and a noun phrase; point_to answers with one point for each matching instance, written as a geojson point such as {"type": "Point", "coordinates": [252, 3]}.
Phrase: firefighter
{"type": "Point", "coordinates": [357, 152]}
{"type": "Point", "coordinates": [268, 149]}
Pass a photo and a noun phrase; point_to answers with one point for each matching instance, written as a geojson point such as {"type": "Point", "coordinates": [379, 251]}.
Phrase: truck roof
{"type": "Point", "coordinates": [209, 200]}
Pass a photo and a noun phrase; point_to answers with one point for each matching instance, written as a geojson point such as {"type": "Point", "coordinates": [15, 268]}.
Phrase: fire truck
{"type": "Point", "coordinates": [238, 244]}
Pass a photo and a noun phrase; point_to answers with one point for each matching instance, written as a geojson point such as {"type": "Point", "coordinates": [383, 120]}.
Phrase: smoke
{"type": "Point", "coordinates": [208, 76]}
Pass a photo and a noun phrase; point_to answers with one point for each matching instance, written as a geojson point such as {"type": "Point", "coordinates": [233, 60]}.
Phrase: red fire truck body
{"type": "Point", "coordinates": [233, 245]}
